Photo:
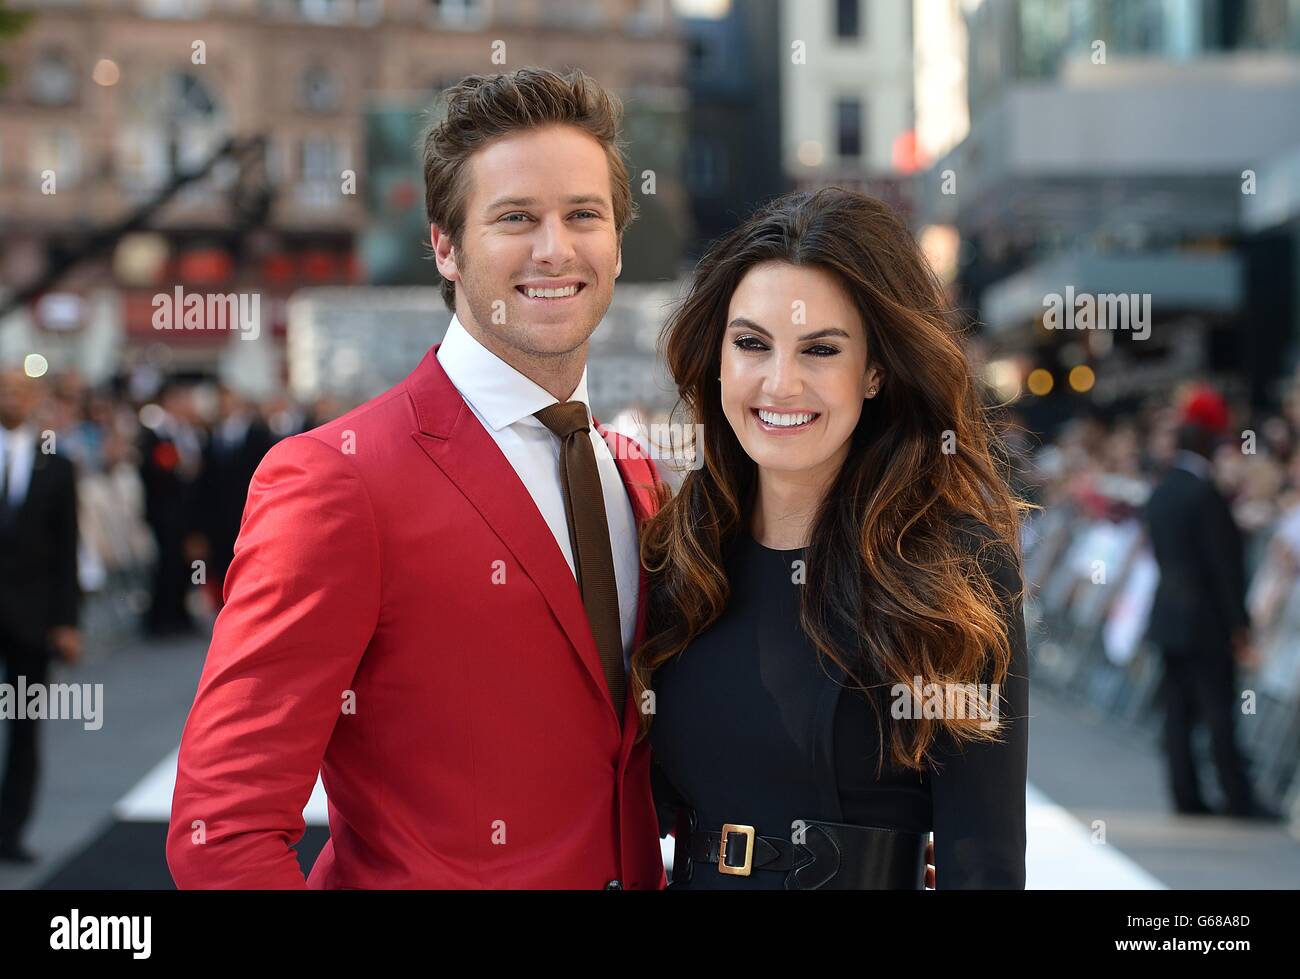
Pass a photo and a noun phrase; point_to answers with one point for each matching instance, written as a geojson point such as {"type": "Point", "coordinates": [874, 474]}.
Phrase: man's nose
{"type": "Point", "coordinates": [553, 244]}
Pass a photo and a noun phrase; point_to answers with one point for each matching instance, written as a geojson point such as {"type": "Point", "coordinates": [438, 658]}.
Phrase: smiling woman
{"type": "Point", "coordinates": [831, 549]}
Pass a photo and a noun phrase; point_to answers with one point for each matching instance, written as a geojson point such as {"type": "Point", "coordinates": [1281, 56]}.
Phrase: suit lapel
{"type": "Point", "coordinates": [35, 482]}
{"type": "Point", "coordinates": [453, 439]}
{"type": "Point", "coordinates": [634, 470]}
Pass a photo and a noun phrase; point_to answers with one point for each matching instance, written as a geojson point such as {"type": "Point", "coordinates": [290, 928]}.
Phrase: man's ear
{"type": "Point", "coordinates": [444, 253]}
{"type": "Point", "coordinates": [618, 268]}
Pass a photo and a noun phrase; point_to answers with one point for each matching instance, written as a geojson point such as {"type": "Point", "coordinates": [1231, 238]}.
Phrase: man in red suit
{"type": "Point", "coordinates": [403, 614]}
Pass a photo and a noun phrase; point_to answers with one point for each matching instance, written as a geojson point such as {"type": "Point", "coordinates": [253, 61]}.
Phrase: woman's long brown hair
{"type": "Point", "coordinates": [893, 591]}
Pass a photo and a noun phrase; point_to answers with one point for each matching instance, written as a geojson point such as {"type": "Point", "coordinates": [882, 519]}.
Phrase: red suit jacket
{"type": "Point", "coordinates": [400, 618]}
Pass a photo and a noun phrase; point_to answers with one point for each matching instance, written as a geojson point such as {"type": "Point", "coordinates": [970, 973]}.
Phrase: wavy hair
{"type": "Point", "coordinates": [894, 589]}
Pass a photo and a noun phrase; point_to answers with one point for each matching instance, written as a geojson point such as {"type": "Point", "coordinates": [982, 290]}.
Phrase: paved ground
{"type": "Point", "coordinates": [105, 794]}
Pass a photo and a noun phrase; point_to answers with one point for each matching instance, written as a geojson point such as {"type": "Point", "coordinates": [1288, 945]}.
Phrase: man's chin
{"type": "Point", "coordinates": [557, 332]}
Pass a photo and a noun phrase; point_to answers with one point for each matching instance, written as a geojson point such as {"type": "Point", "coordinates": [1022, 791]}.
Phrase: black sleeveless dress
{"type": "Point", "coordinates": [750, 728]}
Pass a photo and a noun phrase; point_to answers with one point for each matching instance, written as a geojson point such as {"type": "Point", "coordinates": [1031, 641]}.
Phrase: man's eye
{"type": "Point", "coordinates": [516, 214]}
{"type": "Point", "coordinates": [748, 343]}
{"type": "Point", "coordinates": [590, 214]}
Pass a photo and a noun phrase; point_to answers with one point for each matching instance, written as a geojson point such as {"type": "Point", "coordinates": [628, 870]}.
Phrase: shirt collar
{"type": "Point", "coordinates": [24, 434]}
{"type": "Point", "coordinates": [1191, 462]}
{"type": "Point", "coordinates": [498, 392]}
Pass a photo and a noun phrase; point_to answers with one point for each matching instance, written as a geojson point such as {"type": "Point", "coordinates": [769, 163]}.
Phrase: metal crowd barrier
{"type": "Point", "coordinates": [1090, 582]}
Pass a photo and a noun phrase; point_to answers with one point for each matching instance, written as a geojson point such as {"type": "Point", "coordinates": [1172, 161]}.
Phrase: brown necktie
{"type": "Point", "coordinates": [593, 558]}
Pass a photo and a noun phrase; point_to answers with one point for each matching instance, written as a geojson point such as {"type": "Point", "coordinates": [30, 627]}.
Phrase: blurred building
{"type": "Point", "coordinates": [353, 343]}
{"type": "Point", "coordinates": [1116, 148]}
{"type": "Point", "coordinates": [847, 91]}
{"type": "Point", "coordinates": [108, 102]}
{"type": "Point", "coordinates": [940, 57]}
{"type": "Point", "coordinates": [733, 76]}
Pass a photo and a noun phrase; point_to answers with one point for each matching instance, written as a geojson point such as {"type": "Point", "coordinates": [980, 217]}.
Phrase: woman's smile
{"type": "Point", "coordinates": [784, 423]}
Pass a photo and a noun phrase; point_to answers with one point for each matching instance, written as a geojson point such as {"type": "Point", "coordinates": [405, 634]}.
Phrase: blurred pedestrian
{"type": "Point", "coordinates": [171, 458]}
{"type": "Point", "coordinates": [239, 440]}
{"type": "Point", "coordinates": [39, 591]}
{"type": "Point", "coordinates": [1198, 619]}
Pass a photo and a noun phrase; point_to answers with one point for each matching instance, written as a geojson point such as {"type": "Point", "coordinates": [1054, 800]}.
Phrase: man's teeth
{"type": "Point", "coordinates": [551, 293]}
{"type": "Point", "coordinates": [785, 420]}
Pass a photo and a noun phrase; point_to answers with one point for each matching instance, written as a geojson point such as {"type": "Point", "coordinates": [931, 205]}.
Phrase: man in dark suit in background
{"type": "Point", "coordinates": [171, 458]}
{"type": "Point", "coordinates": [1198, 618]}
{"type": "Point", "coordinates": [239, 440]}
{"type": "Point", "coordinates": [38, 585]}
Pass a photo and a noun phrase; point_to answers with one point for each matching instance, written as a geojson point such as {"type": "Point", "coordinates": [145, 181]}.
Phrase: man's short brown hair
{"type": "Point", "coordinates": [481, 108]}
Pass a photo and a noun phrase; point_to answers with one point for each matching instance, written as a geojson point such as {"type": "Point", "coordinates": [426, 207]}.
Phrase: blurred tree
{"type": "Point", "coordinates": [11, 24]}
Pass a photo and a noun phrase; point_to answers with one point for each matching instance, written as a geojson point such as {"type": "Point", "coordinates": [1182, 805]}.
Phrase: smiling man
{"type": "Point", "coordinates": [433, 598]}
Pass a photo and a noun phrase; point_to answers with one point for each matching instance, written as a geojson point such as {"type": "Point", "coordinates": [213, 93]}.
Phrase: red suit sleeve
{"type": "Point", "coordinates": [302, 601]}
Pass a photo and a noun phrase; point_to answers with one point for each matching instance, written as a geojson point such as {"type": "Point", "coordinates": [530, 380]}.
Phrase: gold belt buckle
{"type": "Point", "coordinates": [743, 870]}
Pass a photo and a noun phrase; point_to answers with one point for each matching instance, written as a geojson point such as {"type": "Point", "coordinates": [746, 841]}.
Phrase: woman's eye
{"type": "Point", "coordinates": [822, 350]}
{"type": "Point", "coordinates": [748, 343]}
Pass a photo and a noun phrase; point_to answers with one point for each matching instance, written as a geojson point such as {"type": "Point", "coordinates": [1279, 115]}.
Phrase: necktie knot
{"type": "Point", "coordinates": [564, 418]}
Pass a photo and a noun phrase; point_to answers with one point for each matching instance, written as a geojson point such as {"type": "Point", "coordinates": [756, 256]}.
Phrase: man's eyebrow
{"type": "Point", "coordinates": [745, 324]}
{"type": "Point", "coordinates": [501, 202]}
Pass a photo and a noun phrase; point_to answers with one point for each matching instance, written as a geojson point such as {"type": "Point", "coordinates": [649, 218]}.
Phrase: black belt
{"type": "Point", "coordinates": [828, 856]}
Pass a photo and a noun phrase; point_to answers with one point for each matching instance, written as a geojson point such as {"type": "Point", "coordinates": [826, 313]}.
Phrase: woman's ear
{"type": "Point", "coordinates": [874, 380]}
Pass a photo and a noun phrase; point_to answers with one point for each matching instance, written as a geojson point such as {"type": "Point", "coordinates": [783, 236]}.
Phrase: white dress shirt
{"type": "Point", "coordinates": [503, 400]}
{"type": "Point", "coordinates": [17, 455]}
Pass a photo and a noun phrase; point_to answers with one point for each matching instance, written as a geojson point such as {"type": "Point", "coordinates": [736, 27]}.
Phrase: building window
{"type": "Point", "coordinates": [173, 8]}
{"type": "Point", "coordinates": [325, 11]}
{"type": "Point", "coordinates": [171, 123]}
{"type": "Point", "coordinates": [848, 127]}
{"type": "Point", "coordinates": [701, 57]}
{"type": "Point", "coordinates": [321, 174]}
{"type": "Point", "coordinates": [848, 18]}
{"type": "Point", "coordinates": [53, 81]}
{"type": "Point", "coordinates": [320, 89]}
{"type": "Point", "coordinates": [60, 151]}
{"type": "Point", "coordinates": [650, 17]}
{"type": "Point", "coordinates": [706, 162]}
{"type": "Point", "coordinates": [458, 13]}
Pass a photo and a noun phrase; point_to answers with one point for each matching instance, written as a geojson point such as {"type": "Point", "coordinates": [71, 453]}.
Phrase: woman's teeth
{"type": "Point", "coordinates": [786, 421]}
{"type": "Point", "coordinates": [564, 293]}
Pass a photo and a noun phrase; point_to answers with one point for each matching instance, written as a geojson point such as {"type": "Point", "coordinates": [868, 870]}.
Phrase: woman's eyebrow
{"type": "Point", "coordinates": [740, 322]}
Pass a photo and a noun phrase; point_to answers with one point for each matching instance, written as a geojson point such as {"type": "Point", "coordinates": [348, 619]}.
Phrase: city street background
{"type": "Point", "coordinates": [1040, 150]}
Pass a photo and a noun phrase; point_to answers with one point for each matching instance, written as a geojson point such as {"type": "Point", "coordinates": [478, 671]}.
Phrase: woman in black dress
{"type": "Point", "coordinates": [835, 664]}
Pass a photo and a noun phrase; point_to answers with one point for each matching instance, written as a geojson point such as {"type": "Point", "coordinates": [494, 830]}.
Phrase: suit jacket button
{"type": "Point", "coordinates": [614, 885]}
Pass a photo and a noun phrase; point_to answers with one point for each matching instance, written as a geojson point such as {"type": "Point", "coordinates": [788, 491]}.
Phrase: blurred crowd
{"type": "Point", "coordinates": [1106, 467]}
{"type": "Point", "coordinates": [1165, 559]}
{"type": "Point", "coordinates": [162, 479]}
{"type": "Point", "coordinates": [161, 482]}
